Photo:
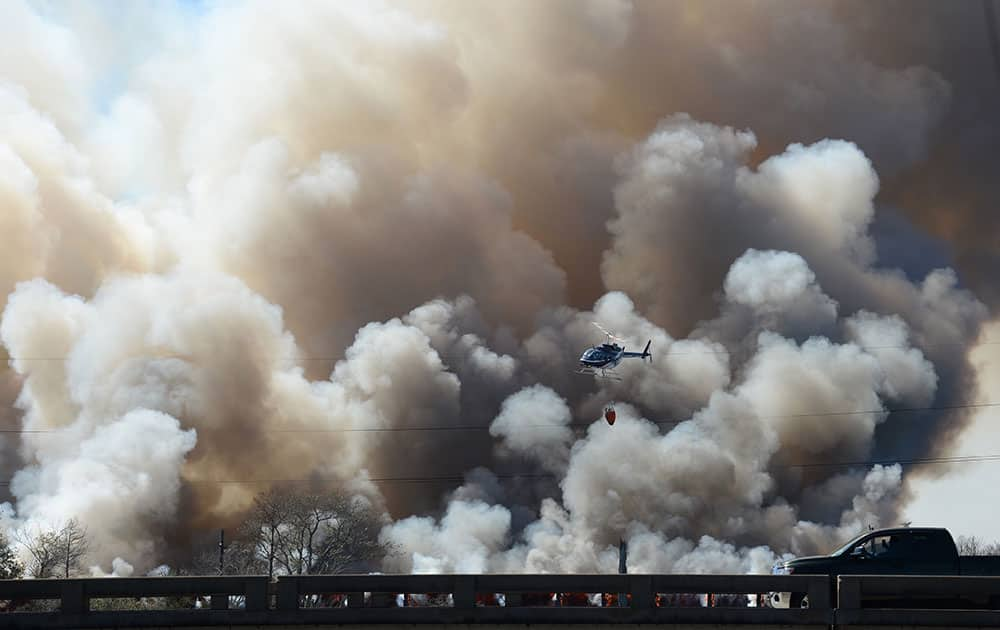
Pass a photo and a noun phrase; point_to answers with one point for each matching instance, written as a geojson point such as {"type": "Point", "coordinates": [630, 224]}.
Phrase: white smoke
{"type": "Point", "coordinates": [151, 355]}
{"type": "Point", "coordinates": [534, 423]}
{"type": "Point", "coordinates": [119, 568]}
{"type": "Point", "coordinates": [781, 292]}
{"type": "Point", "coordinates": [469, 533]}
{"type": "Point", "coordinates": [682, 494]}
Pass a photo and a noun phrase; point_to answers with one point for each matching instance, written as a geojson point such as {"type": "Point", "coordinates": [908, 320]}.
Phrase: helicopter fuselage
{"type": "Point", "coordinates": [598, 360]}
{"type": "Point", "coordinates": [606, 355]}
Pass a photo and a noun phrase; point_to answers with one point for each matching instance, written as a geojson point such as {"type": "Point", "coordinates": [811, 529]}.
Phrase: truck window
{"type": "Point", "coordinates": [927, 546]}
{"type": "Point", "coordinates": [876, 546]}
{"type": "Point", "coordinates": [849, 545]}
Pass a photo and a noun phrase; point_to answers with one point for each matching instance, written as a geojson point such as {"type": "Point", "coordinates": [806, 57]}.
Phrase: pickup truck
{"type": "Point", "coordinates": [897, 551]}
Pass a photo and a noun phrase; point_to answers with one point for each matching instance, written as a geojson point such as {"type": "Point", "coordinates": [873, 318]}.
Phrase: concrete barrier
{"type": "Point", "coordinates": [913, 601]}
{"type": "Point", "coordinates": [372, 600]}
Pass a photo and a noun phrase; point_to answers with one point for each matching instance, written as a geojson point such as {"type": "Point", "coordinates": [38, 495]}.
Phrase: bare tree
{"type": "Point", "coordinates": [968, 545]}
{"type": "Point", "coordinates": [42, 548]}
{"type": "Point", "coordinates": [238, 558]}
{"type": "Point", "coordinates": [298, 533]}
{"type": "Point", "coordinates": [74, 545]}
{"type": "Point", "coordinates": [351, 539]}
{"type": "Point", "coordinates": [56, 551]}
{"type": "Point", "coordinates": [974, 546]}
{"type": "Point", "coordinates": [304, 529]}
{"type": "Point", "coordinates": [262, 531]}
{"type": "Point", "coordinates": [313, 532]}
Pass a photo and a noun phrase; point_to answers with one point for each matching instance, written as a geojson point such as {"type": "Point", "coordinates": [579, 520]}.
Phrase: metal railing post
{"type": "Point", "coordinates": [356, 600]}
{"type": "Point", "coordinates": [465, 591]}
{"type": "Point", "coordinates": [255, 591]}
{"type": "Point", "coordinates": [848, 592]}
{"type": "Point", "coordinates": [641, 587]}
{"type": "Point", "coordinates": [288, 593]}
{"type": "Point", "coordinates": [819, 592]}
{"type": "Point", "coordinates": [73, 597]}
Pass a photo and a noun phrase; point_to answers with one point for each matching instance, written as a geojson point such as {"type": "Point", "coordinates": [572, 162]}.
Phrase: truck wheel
{"type": "Point", "coordinates": [799, 600]}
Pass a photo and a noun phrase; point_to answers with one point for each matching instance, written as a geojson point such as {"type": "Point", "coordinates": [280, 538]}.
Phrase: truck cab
{"type": "Point", "coordinates": [896, 551]}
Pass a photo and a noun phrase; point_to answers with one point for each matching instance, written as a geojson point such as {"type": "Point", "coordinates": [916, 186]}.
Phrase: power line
{"type": "Point", "coordinates": [668, 353]}
{"type": "Point", "coordinates": [440, 479]}
{"type": "Point", "coordinates": [459, 427]}
{"type": "Point", "coordinates": [960, 459]}
{"type": "Point", "coordinates": [888, 411]}
{"type": "Point", "coordinates": [886, 347]}
{"type": "Point", "coordinates": [483, 427]}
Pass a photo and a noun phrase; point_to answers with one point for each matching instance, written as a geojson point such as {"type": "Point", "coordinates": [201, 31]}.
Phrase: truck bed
{"type": "Point", "coordinates": [979, 565]}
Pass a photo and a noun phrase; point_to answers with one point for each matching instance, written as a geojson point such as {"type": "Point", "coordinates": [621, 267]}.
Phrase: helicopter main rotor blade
{"type": "Point", "coordinates": [607, 332]}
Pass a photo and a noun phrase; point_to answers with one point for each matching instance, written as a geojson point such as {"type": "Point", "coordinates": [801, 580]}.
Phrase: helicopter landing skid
{"type": "Point", "coordinates": [599, 374]}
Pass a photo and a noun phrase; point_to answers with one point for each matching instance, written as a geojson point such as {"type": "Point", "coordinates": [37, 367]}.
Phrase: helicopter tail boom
{"type": "Point", "coordinates": [645, 354]}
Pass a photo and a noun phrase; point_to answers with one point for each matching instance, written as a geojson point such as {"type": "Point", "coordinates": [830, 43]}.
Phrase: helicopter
{"type": "Point", "coordinates": [599, 360]}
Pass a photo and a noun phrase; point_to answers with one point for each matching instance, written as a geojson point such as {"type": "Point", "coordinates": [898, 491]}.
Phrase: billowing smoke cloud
{"type": "Point", "coordinates": [779, 289]}
{"type": "Point", "coordinates": [150, 353]}
{"type": "Point", "coordinates": [367, 249]}
{"type": "Point", "coordinates": [462, 543]}
{"type": "Point", "coordinates": [534, 423]}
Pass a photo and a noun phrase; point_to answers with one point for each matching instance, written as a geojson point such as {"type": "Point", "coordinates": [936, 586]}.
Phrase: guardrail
{"type": "Point", "coordinates": [641, 592]}
{"type": "Point", "coordinates": [74, 598]}
{"type": "Point", "coordinates": [918, 600]}
{"type": "Point", "coordinates": [371, 599]}
{"type": "Point", "coordinates": [296, 600]}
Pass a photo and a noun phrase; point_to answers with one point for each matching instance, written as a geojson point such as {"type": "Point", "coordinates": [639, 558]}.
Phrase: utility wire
{"type": "Point", "coordinates": [886, 347]}
{"type": "Point", "coordinates": [665, 354]}
{"type": "Point", "coordinates": [441, 479]}
{"type": "Point", "coordinates": [484, 427]}
{"type": "Point", "coordinates": [960, 459]}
